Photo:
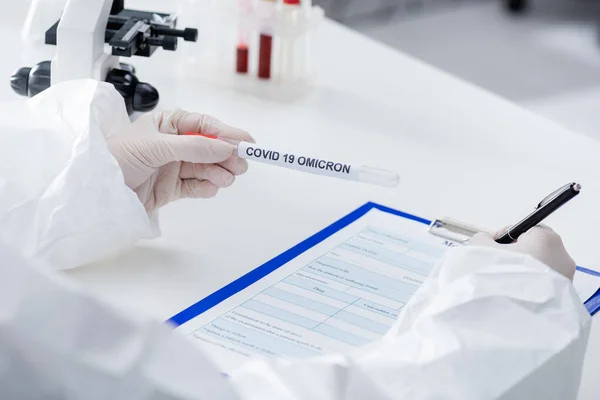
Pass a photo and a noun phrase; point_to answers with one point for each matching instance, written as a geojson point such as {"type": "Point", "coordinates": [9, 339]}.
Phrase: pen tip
{"type": "Point", "coordinates": [577, 187]}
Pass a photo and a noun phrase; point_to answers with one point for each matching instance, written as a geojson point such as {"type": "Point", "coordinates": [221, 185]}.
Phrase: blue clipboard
{"type": "Point", "coordinates": [592, 305]}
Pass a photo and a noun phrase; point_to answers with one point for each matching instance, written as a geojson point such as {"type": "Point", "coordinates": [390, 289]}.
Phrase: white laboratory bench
{"type": "Point", "coordinates": [460, 151]}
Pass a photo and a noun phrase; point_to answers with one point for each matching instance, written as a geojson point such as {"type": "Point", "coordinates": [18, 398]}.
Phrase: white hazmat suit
{"type": "Point", "coordinates": [488, 323]}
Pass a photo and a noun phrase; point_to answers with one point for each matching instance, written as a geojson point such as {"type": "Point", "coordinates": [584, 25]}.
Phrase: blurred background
{"type": "Point", "coordinates": [541, 54]}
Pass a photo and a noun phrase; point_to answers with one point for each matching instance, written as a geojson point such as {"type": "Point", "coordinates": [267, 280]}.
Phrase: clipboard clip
{"type": "Point", "coordinates": [453, 230]}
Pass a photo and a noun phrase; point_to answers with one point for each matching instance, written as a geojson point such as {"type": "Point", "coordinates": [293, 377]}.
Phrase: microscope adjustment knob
{"type": "Point", "coordinates": [166, 42]}
{"type": "Point", "coordinates": [39, 78]}
{"type": "Point", "coordinates": [190, 34]}
{"type": "Point", "coordinates": [139, 96]}
{"type": "Point", "coordinates": [31, 81]}
{"type": "Point", "coordinates": [145, 97]}
{"type": "Point", "coordinates": [19, 81]}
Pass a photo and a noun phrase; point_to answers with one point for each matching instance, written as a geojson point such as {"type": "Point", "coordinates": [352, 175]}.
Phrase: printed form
{"type": "Point", "coordinates": [344, 292]}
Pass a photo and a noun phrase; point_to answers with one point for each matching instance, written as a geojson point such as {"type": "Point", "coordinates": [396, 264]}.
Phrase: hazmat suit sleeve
{"type": "Point", "coordinates": [62, 196]}
{"type": "Point", "coordinates": [488, 324]}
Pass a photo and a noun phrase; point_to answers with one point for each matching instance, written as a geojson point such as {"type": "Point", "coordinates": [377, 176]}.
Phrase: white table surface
{"type": "Point", "coordinates": [461, 152]}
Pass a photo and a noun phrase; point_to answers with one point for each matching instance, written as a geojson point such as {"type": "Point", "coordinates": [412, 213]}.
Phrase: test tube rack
{"type": "Point", "coordinates": [261, 47]}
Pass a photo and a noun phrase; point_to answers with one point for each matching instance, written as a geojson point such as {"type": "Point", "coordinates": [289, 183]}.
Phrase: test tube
{"type": "Point", "coordinates": [265, 51]}
{"type": "Point", "coordinates": [313, 165]}
{"type": "Point", "coordinates": [288, 62]}
{"type": "Point", "coordinates": [305, 50]}
{"type": "Point", "coordinates": [319, 166]}
{"type": "Point", "coordinates": [242, 47]}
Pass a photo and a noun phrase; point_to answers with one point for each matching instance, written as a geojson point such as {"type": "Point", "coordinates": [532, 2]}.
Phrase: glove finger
{"type": "Point", "coordinates": [218, 176]}
{"type": "Point", "coordinates": [166, 121]}
{"type": "Point", "coordinates": [194, 149]}
{"type": "Point", "coordinates": [195, 189]}
{"type": "Point", "coordinates": [235, 165]}
{"type": "Point", "coordinates": [544, 244]}
{"type": "Point", "coordinates": [546, 227]}
{"type": "Point", "coordinates": [540, 234]}
{"type": "Point", "coordinates": [200, 123]}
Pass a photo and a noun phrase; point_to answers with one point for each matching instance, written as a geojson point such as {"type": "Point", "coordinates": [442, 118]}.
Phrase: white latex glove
{"type": "Point", "coordinates": [541, 242]}
{"type": "Point", "coordinates": [162, 165]}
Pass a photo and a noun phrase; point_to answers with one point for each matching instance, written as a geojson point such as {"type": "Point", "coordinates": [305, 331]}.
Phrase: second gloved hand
{"type": "Point", "coordinates": [541, 242]}
{"type": "Point", "coordinates": [162, 165]}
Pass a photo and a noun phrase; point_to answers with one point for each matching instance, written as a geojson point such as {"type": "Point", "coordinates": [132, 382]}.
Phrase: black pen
{"type": "Point", "coordinates": [546, 207]}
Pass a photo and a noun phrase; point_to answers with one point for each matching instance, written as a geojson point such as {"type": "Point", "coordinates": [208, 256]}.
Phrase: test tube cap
{"type": "Point", "coordinates": [377, 176]}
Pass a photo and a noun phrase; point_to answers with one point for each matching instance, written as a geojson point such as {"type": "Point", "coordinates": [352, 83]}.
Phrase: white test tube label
{"type": "Point", "coordinates": [298, 162]}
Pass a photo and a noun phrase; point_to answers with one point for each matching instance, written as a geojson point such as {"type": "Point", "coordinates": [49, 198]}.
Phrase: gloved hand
{"type": "Point", "coordinates": [161, 165]}
{"type": "Point", "coordinates": [541, 242]}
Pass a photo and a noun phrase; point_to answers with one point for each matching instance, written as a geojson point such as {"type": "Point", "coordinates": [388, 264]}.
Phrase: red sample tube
{"type": "Point", "coordinates": [264, 56]}
{"type": "Point", "coordinates": [242, 59]}
{"type": "Point", "coordinates": [265, 51]}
